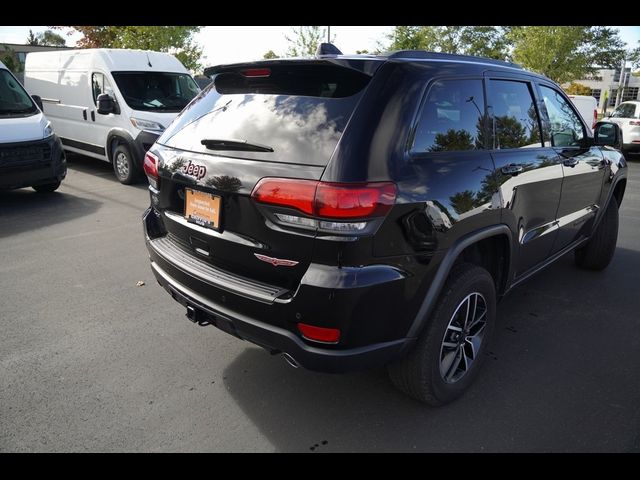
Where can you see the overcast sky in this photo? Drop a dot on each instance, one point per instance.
(229, 44)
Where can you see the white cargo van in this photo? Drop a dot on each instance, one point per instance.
(30, 153)
(110, 104)
(588, 108)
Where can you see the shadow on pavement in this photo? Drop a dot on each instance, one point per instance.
(557, 378)
(25, 209)
(94, 166)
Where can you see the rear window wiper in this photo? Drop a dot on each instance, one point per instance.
(239, 145)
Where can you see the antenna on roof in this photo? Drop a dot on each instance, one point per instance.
(148, 61)
(327, 49)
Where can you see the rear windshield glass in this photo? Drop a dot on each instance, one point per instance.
(300, 112)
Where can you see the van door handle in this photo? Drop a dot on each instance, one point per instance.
(93, 115)
(84, 114)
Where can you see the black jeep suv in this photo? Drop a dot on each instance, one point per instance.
(353, 212)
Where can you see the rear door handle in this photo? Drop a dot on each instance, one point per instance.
(512, 169)
(570, 162)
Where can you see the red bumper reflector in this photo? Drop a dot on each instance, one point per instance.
(319, 334)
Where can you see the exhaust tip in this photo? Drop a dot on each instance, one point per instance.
(290, 360)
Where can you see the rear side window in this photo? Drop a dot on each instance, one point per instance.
(565, 128)
(626, 110)
(515, 118)
(299, 111)
(452, 117)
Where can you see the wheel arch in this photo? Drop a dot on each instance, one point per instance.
(482, 248)
(119, 136)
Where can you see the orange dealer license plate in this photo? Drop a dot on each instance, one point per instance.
(202, 208)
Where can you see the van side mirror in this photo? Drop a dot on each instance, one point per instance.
(38, 100)
(106, 104)
(607, 133)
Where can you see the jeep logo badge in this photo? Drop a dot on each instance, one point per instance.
(197, 171)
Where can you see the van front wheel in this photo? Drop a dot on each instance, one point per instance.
(124, 166)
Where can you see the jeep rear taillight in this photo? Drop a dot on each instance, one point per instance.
(339, 207)
(150, 167)
(635, 123)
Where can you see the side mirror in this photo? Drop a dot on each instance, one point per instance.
(106, 104)
(38, 100)
(607, 133)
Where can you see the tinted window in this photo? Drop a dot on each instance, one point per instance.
(301, 120)
(515, 119)
(156, 91)
(565, 128)
(451, 117)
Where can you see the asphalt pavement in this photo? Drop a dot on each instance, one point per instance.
(89, 361)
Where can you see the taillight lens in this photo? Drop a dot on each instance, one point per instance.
(634, 122)
(257, 72)
(319, 334)
(150, 167)
(335, 200)
(332, 204)
(286, 192)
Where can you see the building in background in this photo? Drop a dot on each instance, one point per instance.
(609, 80)
(13, 55)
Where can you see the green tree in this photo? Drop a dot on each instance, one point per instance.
(577, 89)
(462, 202)
(634, 56)
(566, 53)
(32, 38)
(305, 41)
(48, 38)
(483, 41)
(8, 57)
(269, 55)
(177, 40)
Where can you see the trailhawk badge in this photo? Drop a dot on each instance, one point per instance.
(276, 262)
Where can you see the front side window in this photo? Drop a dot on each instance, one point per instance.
(14, 100)
(156, 91)
(565, 127)
(100, 84)
(515, 118)
(452, 117)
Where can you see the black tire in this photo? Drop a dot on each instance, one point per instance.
(47, 187)
(599, 250)
(124, 166)
(419, 373)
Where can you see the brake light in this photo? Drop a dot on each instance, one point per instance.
(286, 192)
(319, 334)
(150, 167)
(634, 122)
(327, 200)
(256, 72)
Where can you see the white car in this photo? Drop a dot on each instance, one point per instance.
(627, 116)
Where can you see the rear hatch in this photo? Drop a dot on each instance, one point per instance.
(263, 119)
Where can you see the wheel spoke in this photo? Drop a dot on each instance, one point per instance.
(450, 344)
(454, 365)
(478, 322)
(474, 342)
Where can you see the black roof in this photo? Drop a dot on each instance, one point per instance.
(426, 55)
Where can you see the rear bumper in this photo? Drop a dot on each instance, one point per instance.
(277, 339)
(51, 169)
(270, 324)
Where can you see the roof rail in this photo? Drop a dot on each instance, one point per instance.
(426, 55)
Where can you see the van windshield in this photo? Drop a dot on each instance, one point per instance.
(14, 100)
(156, 91)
